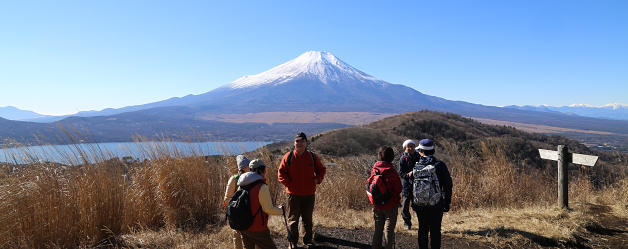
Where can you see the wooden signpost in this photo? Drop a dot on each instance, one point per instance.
(563, 157)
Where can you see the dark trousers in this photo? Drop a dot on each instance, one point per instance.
(260, 239)
(385, 222)
(300, 206)
(430, 219)
(406, 202)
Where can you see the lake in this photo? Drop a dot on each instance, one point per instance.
(74, 154)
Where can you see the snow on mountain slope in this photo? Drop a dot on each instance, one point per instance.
(615, 111)
(323, 66)
(613, 106)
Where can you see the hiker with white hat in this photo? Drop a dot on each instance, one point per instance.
(406, 164)
(232, 185)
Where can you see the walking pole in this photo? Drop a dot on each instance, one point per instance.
(287, 229)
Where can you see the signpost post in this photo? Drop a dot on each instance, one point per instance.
(563, 157)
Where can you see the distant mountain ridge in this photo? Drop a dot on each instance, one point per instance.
(610, 111)
(314, 83)
(14, 113)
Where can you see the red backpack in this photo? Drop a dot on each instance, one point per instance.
(377, 188)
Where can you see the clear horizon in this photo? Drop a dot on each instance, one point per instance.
(67, 56)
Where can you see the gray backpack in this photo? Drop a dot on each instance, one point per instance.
(425, 188)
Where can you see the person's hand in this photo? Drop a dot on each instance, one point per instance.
(410, 174)
(282, 206)
(317, 181)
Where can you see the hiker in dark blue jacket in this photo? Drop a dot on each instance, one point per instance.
(406, 164)
(430, 217)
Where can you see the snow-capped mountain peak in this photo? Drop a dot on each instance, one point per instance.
(616, 111)
(613, 106)
(616, 106)
(320, 65)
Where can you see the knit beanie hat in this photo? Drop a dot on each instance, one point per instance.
(257, 163)
(243, 162)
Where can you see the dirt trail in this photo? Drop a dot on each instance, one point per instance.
(331, 237)
(605, 230)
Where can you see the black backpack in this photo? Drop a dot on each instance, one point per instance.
(377, 188)
(239, 208)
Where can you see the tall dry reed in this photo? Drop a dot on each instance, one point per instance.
(344, 185)
(50, 205)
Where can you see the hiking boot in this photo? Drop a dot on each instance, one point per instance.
(307, 239)
(407, 226)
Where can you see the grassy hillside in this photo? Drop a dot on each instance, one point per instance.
(171, 199)
(461, 140)
(438, 126)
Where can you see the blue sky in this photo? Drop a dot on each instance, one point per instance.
(60, 57)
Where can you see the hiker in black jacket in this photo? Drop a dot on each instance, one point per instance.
(430, 217)
(406, 164)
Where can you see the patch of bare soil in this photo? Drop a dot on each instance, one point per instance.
(333, 237)
(606, 229)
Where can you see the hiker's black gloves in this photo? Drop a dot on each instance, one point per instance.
(446, 208)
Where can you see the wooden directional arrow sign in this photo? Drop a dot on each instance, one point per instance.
(563, 157)
(585, 160)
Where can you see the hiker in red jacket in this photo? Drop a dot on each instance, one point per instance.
(300, 171)
(385, 214)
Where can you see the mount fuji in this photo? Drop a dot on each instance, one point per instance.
(314, 92)
(313, 82)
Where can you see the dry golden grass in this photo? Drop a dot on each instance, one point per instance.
(173, 201)
(44, 205)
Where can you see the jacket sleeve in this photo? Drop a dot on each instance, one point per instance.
(395, 183)
(266, 202)
(444, 178)
(229, 191)
(403, 168)
(282, 174)
(319, 169)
